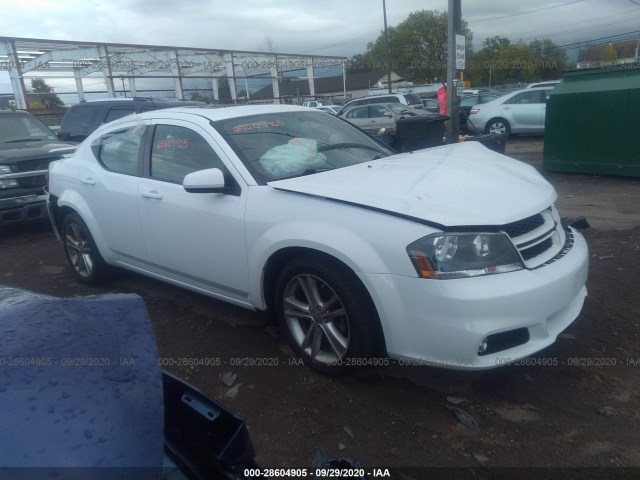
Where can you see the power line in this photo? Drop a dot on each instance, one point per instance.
(527, 12)
(622, 36)
(591, 27)
(583, 21)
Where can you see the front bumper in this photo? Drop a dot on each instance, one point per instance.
(50, 212)
(443, 322)
(21, 209)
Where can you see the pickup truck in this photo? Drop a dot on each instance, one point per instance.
(27, 146)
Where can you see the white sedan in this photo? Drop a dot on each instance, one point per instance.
(522, 111)
(453, 256)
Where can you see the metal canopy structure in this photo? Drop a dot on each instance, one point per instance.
(26, 58)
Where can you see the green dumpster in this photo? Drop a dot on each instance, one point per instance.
(593, 123)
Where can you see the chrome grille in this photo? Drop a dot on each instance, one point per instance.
(517, 229)
(31, 165)
(538, 238)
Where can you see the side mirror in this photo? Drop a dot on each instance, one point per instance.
(63, 136)
(210, 180)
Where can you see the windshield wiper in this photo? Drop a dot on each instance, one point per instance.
(308, 171)
(23, 140)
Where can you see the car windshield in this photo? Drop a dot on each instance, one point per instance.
(291, 144)
(23, 128)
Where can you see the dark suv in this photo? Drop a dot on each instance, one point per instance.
(83, 118)
(27, 146)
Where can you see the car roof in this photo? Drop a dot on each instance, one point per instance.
(136, 100)
(15, 112)
(543, 83)
(224, 112)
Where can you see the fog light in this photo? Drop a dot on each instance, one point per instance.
(483, 347)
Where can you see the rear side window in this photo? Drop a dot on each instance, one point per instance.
(118, 151)
(178, 151)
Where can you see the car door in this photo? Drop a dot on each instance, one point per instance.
(359, 116)
(110, 190)
(380, 117)
(525, 111)
(197, 239)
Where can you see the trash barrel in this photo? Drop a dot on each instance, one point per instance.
(420, 131)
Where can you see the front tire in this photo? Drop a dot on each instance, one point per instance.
(83, 256)
(326, 314)
(498, 126)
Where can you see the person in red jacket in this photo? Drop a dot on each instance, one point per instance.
(442, 98)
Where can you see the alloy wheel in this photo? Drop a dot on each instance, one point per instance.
(316, 318)
(79, 251)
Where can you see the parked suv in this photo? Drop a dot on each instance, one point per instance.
(83, 118)
(410, 99)
(27, 146)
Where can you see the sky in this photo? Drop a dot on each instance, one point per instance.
(318, 27)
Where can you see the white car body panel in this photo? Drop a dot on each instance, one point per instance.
(441, 185)
(522, 118)
(364, 215)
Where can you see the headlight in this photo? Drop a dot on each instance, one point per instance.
(11, 183)
(5, 169)
(461, 255)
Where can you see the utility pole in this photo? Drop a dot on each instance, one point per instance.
(453, 104)
(388, 45)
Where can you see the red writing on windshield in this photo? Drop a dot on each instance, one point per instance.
(173, 142)
(255, 126)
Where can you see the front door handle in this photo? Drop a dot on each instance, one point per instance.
(88, 181)
(151, 194)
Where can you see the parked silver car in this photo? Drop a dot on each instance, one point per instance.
(521, 111)
(373, 118)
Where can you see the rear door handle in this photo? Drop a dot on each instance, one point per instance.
(151, 194)
(88, 181)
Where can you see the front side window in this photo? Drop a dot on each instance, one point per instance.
(525, 98)
(289, 144)
(360, 112)
(378, 112)
(178, 151)
(118, 151)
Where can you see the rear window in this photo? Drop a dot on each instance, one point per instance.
(118, 112)
(81, 121)
(413, 99)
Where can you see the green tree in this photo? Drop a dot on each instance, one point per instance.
(43, 96)
(418, 47)
(502, 61)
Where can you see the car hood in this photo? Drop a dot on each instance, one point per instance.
(14, 152)
(464, 184)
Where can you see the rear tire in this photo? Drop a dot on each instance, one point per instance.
(83, 256)
(326, 314)
(498, 126)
